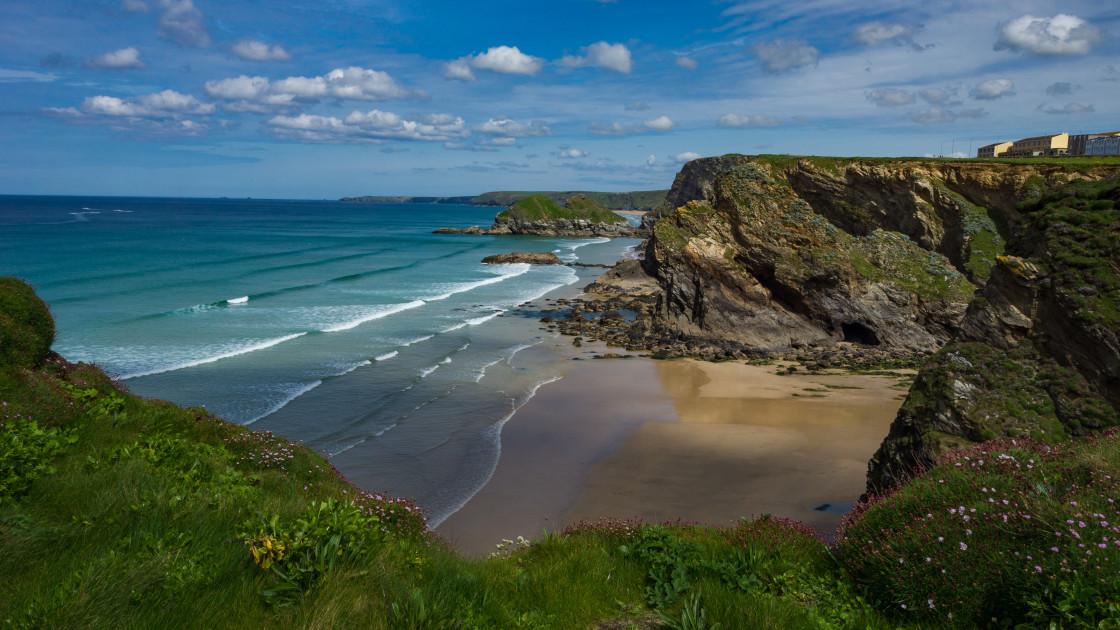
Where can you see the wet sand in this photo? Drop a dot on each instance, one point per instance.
(662, 440)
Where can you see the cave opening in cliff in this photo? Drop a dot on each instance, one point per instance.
(856, 332)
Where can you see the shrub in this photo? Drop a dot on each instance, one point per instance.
(26, 451)
(26, 325)
(1006, 530)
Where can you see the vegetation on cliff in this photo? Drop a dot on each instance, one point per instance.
(541, 208)
(638, 200)
(119, 511)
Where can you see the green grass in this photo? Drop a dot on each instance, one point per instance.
(137, 513)
(541, 208)
(637, 200)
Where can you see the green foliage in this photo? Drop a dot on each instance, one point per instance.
(1006, 530)
(27, 452)
(329, 533)
(670, 562)
(26, 325)
(693, 616)
(96, 404)
(1078, 227)
(638, 200)
(541, 208)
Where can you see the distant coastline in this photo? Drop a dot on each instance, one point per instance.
(641, 200)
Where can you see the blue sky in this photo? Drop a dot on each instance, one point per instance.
(347, 97)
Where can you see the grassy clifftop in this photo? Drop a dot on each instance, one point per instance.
(540, 208)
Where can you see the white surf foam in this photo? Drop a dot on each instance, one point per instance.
(241, 300)
(495, 434)
(217, 357)
(476, 321)
(424, 372)
(386, 356)
(482, 370)
(514, 270)
(289, 398)
(382, 311)
(417, 340)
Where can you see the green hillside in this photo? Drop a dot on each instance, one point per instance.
(639, 200)
(116, 511)
(540, 208)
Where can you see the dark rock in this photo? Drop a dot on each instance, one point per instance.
(533, 258)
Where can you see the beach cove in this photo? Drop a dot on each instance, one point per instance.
(679, 439)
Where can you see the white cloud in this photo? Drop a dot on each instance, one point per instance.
(937, 96)
(687, 156)
(253, 50)
(458, 70)
(134, 6)
(993, 89)
(1048, 36)
(876, 33)
(688, 63)
(598, 128)
(165, 104)
(260, 94)
(780, 55)
(125, 58)
(566, 153)
(372, 127)
(636, 107)
(181, 22)
(1059, 88)
(661, 123)
(651, 160)
(614, 57)
(501, 59)
(25, 76)
(889, 97)
(757, 120)
(932, 116)
(1069, 108)
(510, 128)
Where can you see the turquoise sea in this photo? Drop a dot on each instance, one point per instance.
(348, 326)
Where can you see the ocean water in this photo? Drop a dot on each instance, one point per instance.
(347, 326)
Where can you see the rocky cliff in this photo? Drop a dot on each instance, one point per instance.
(1037, 353)
(540, 216)
(1005, 277)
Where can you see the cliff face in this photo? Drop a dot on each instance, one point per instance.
(1037, 353)
(1014, 266)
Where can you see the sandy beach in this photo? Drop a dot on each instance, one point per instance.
(662, 440)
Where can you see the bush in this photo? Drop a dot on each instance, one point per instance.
(1005, 531)
(26, 451)
(26, 325)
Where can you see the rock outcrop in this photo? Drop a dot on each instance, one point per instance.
(1038, 352)
(532, 258)
(540, 216)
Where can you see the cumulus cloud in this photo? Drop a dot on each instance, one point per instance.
(1048, 36)
(636, 107)
(781, 55)
(1059, 88)
(372, 127)
(567, 153)
(757, 120)
(162, 112)
(181, 22)
(253, 50)
(123, 59)
(688, 63)
(993, 89)
(1069, 108)
(614, 57)
(507, 127)
(938, 96)
(877, 33)
(687, 156)
(599, 128)
(501, 59)
(651, 160)
(246, 93)
(661, 123)
(889, 97)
